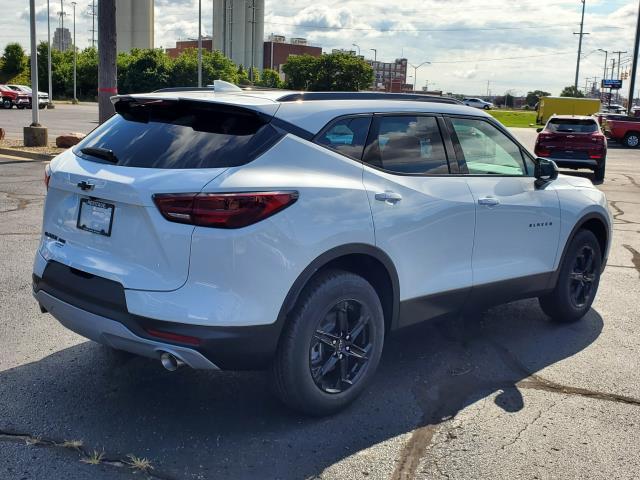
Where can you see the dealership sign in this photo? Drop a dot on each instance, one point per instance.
(613, 84)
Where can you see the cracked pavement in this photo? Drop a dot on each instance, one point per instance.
(504, 394)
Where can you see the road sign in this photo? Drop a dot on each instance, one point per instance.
(613, 84)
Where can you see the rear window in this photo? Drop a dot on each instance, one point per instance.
(572, 125)
(180, 135)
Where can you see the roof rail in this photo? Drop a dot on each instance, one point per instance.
(411, 97)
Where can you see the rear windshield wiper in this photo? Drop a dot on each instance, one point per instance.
(103, 153)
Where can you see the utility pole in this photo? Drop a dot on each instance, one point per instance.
(107, 69)
(35, 135)
(618, 74)
(253, 40)
(200, 43)
(93, 13)
(62, 25)
(634, 65)
(580, 44)
(75, 55)
(50, 103)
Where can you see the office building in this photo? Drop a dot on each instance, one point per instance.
(277, 51)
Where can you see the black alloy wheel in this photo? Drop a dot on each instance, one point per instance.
(340, 347)
(578, 280)
(582, 277)
(331, 344)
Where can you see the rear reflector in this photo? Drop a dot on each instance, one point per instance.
(222, 210)
(47, 176)
(174, 337)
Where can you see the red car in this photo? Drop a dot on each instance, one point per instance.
(573, 142)
(625, 130)
(10, 97)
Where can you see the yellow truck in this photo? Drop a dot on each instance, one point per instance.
(548, 106)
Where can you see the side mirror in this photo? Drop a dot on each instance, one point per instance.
(539, 129)
(545, 171)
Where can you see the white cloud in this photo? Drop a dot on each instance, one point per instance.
(521, 45)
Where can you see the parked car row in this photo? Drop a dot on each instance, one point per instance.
(20, 96)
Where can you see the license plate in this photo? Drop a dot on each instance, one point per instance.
(95, 216)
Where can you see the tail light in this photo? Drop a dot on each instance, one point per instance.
(222, 210)
(598, 138)
(47, 176)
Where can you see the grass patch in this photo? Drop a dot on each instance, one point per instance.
(140, 464)
(515, 118)
(94, 458)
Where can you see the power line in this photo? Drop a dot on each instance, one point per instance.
(384, 30)
(520, 57)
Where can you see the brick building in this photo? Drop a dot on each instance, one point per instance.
(182, 45)
(390, 76)
(277, 51)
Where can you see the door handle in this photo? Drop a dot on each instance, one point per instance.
(388, 196)
(489, 201)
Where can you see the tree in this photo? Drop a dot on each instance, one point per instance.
(270, 78)
(331, 72)
(300, 71)
(534, 97)
(14, 60)
(571, 91)
(145, 70)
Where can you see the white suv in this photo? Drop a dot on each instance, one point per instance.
(477, 103)
(294, 231)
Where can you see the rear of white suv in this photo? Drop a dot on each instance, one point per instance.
(244, 231)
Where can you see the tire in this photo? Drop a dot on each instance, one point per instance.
(578, 280)
(487, 107)
(42, 106)
(598, 173)
(19, 107)
(631, 140)
(307, 371)
(7, 103)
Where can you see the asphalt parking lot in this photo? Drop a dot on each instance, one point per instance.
(505, 394)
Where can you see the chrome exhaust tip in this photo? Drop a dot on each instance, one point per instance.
(170, 362)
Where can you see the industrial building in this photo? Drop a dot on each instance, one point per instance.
(134, 24)
(238, 31)
(277, 51)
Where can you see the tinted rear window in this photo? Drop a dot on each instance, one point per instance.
(181, 134)
(572, 125)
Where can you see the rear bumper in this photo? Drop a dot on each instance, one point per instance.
(576, 163)
(116, 335)
(96, 308)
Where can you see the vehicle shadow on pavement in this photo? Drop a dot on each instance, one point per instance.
(227, 425)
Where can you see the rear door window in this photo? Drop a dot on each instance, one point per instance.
(347, 136)
(180, 135)
(407, 144)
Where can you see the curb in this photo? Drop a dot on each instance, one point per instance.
(40, 157)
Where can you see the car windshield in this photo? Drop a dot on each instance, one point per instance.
(573, 125)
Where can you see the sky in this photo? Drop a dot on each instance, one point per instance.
(474, 46)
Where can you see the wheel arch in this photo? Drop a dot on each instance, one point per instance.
(365, 260)
(597, 224)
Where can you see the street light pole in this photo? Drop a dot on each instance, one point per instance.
(199, 43)
(35, 135)
(357, 46)
(634, 64)
(375, 54)
(415, 72)
(75, 56)
(50, 102)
